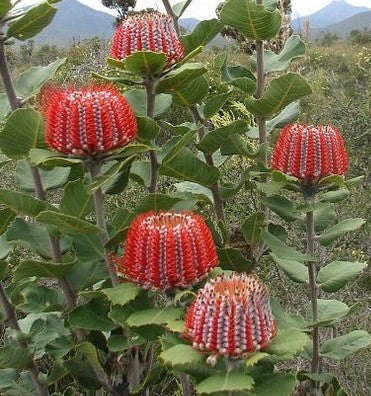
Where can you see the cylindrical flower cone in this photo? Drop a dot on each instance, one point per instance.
(231, 316)
(87, 122)
(167, 250)
(310, 153)
(152, 31)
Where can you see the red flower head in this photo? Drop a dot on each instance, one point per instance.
(151, 31)
(168, 250)
(310, 153)
(89, 121)
(231, 316)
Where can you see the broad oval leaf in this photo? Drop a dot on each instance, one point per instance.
(329, 312)
(288, 342)
(252, 227)
(275, 384)
(280, 92)
(202, 34)
(181, 355)
(295, 270)
(214, 104)
(337, 274)
(12, 357)
(252, 20)
(233, 381)
(179, 78)
(145, 63)
(333, 233)
(192, 94)
(32, 22)
(341, 347)
(233, 259)
(23, 131)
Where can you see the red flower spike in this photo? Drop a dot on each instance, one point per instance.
(310, 152)
(167, 250)
(151, 31)
(87, 122)
(231, 316)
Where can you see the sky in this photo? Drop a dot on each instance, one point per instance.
(205, 9)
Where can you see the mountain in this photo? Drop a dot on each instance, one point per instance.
(189, 23)
(335, 12)
(343, 28)
(75, 20)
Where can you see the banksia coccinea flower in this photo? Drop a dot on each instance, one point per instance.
(310, 152)
(231, 316)
(87, 122)
(167, 250)
(152, 31)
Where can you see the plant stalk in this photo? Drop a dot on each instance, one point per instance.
(218, 202)
(95, 170)
(11, 315)
(15, 104)
(312, 270)
(151, 96)
(262, 126)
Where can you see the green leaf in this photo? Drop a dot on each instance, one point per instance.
(186, 166)
(255, 358)
(41, 269)
(281, 250)
(250, 19)
(340, 348)
(294, 48)
(141, 172)
(200, 192)
(6, 217)
(181, 355)
(334, 196)
(174, 146)
(5, 6)
(288, 115)
(23, 130)
(23, 203)
(286, 320)
(66, 224)
(192, 93)
(48, 158)
(295, 270)
(329, 312)
(51, 179)
(145, 63)
(5, 247)
(32, 80)
(89, 352)
(225, 382)
(337, 274)
(324, 216)
(8, 376)
(122, 293)
(76, 200)
(338, 230)
(252, 227)
(168, 316)
(4, 270)
(216, 138)
(155, 202)
(33, 236)
(284, 207)
(239, 145)
(202, 34)
(231, 73)
(213, 105)
(288, 342)
(11, 357)
(37, 299)
(232, 259)
(83, 373)
(119, 343)
(280, 92)
(338, 180)
(147, 129)
(92, 316)
(275, 384)
(32, 22)
(137, 99)
(179, 78)
(87, 273)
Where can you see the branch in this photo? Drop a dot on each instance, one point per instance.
(218, 202)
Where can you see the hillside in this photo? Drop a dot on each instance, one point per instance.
(342, 29)
(75, 20)
(335, 12)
